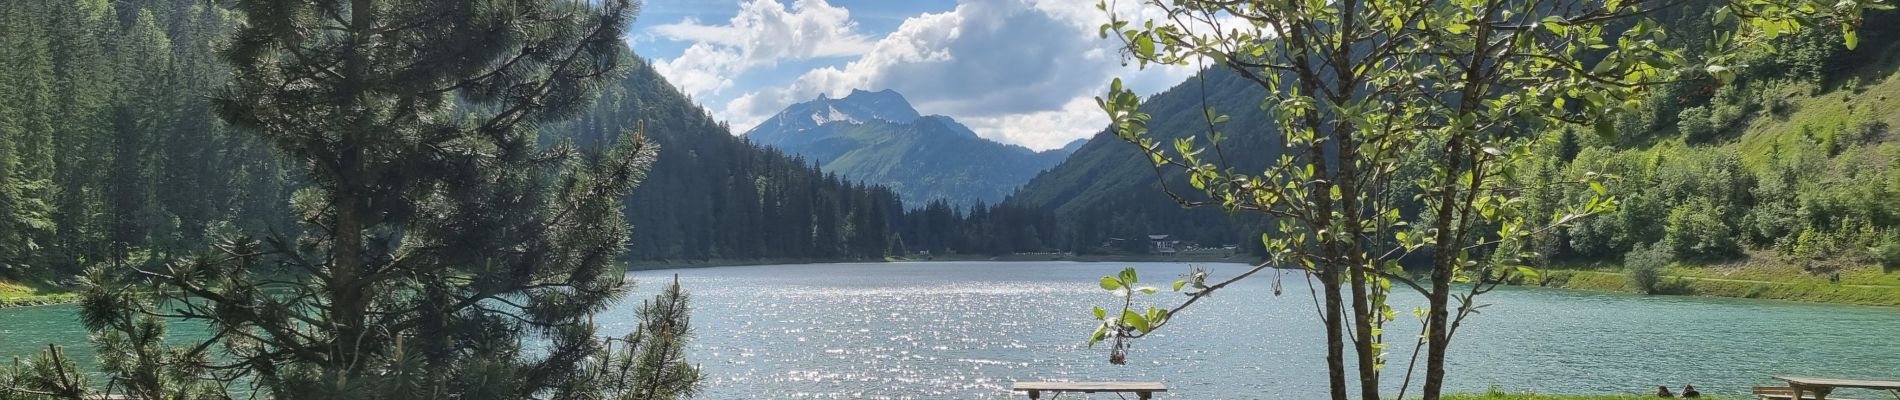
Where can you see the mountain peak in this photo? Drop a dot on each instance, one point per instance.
(876, 137)
(857, 107)
(884, 104)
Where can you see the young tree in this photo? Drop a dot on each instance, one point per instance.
(446, 251)
(1357, 86)
(652, 360)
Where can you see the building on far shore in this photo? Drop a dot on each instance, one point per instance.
(1161, 244)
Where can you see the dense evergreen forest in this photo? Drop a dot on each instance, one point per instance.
(109, 149)
(111, 153)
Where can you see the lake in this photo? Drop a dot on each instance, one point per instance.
(969, 329)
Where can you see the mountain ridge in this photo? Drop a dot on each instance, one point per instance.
(879, 138)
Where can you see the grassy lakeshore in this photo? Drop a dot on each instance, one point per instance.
(1755, 277)
(15, 294)
(1533, 396)
(1184, 257)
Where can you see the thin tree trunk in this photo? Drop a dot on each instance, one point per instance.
(1353, 222)
(1459, 156)
(347, 303)
(1335, 334)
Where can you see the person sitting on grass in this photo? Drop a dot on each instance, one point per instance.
(1688, 392)
(1663, 391)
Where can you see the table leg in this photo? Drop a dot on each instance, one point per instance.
(1791, 386)
(1035, 394)
(1821, 393)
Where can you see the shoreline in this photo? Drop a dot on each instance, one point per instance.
(34, 293)
(39, 300)
(1697, 286)
(647, 265)
(1803, 291)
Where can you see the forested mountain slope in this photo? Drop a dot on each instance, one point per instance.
(1792, 164)
(110, 155)
(878, 138)
(1108, 189)
(712, 195)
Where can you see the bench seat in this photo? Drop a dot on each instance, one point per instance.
(1143, 390)
(1782, 393)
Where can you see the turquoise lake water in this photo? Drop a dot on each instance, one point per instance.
(969, 329)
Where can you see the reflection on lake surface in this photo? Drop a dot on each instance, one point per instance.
(969, 329)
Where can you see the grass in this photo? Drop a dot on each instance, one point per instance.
(1760, 276)
(1877, 92)
(1534, 396)
(15, 294)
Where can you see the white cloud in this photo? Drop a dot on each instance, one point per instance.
(1042, 130)
(1016, 71)
(763, 33)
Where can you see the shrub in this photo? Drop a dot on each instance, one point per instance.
(1780, 106)
(1815, 244)
(1696, 230)
(1887, 254)
(1770, 222)
(1694, 124)
(1866, 130)
(1645, 267)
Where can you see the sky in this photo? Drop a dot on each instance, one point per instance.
(1022, 72)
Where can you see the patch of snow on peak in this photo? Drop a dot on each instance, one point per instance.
(831, 114)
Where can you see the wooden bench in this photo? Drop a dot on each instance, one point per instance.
(1780, 393)
(1822, 387)
(1144, 390)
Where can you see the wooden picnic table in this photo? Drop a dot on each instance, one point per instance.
(1144, 390)
(1821, 387)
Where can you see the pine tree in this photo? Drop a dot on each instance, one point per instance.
(447, 250)
(653, 358)
(84, 90)
(138, 118)
(26, 156)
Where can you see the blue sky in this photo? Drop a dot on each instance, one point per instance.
(1016, 71)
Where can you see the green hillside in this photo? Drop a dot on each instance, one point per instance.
(1786, 171)
(1785, 175)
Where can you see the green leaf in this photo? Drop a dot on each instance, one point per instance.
(1130, 318)
(1605, 128)
(1145, 46)
(1110, 283)
(1457, 28)
(1128, 276)
(1556, 25)
(1178, 285)
(1529, 273)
